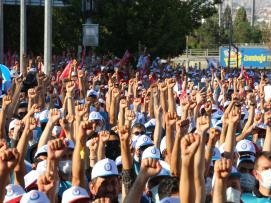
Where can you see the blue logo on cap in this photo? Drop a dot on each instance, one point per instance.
(107, 167)
(153, 151)
(9, 191)
(76, 191)
(34, 195)
(145, 139)
(244, 146)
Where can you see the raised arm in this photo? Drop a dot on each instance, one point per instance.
(203, 124)
(267, 140)
(149, 167)
(171, 102)
(7, 100)
(54, 116)
(8, 160)
(222, 170)
(189, 145)
(78, 159)
(170, 119)
(175, 162)
(20, 170)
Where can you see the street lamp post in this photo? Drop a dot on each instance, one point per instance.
(47, 35)
(1, 32)
(22, 35)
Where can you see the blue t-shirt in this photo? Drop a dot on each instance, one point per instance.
(63, 185)
(251, 198)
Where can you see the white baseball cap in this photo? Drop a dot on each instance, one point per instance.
(142, 141)
(118, 161)
(42, 150)
(151, 152)
(221, 148)
(104, 167)
(170, 200)
(56, 130)
(245, 146)
(14, 74)
(41, 167)
(14, 193)
(94, 115)
(74, 193)
(216, 154)
(163, 145)
(12, 124)
(92, 93)
(69, 143)
(43, 116)
(35, 196)
(30, 178)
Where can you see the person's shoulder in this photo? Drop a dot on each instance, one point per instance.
(251, 198)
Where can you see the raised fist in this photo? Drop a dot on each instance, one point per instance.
(222, 168)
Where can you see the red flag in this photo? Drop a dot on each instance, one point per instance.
(66, 71)
(125, 59)
(83, 57)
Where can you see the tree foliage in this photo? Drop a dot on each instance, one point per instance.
(161, 25)
(237, 30)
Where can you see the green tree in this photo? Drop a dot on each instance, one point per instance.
(207, 35)
(161, 25)
(241, 27)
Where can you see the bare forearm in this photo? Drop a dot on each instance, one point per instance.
(157, 133)
(171, 103)
(101, 150)
(134, 195)
(169, 140)
(78, 165)
(219, 194)
(70, 104)
(163, 100)
(187, 187)
(175, 161)
(267, 140)
(126, 156)
(230, 141)
(112, 113)
(3, 122)
(45, 136)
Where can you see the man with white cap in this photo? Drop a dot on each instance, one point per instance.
(75, 194)
(104, 180)
(14, 193)
(35, 196)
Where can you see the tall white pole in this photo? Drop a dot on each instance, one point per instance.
(22, 34)
(1, 32)
(252, 12)
(47, 35)
(219, 14)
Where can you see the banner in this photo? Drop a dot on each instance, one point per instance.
(249, 57)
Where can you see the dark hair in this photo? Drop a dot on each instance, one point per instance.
(168, 186)
(265, 154)
(139, 125)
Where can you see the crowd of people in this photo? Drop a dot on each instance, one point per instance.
(142, 132)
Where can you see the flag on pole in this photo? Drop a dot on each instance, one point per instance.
(66, 71)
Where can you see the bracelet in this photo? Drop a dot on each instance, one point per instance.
(92, 157)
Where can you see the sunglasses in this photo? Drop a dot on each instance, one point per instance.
(139, 133)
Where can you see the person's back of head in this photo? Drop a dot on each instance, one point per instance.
(168, 186)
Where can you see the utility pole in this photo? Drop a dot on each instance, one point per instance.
(47, 35)
(252, 12)
(22, 35)
(1, 32)
(219, 14)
